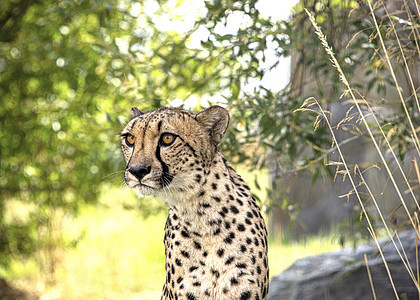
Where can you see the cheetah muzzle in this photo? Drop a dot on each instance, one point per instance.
(215, 237)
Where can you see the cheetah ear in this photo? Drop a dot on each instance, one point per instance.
(215, 120)
(135, 112)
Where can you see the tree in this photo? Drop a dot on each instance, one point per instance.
(69, 73)
(274, 121)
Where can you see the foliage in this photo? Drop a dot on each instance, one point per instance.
(69, 72)
(272, 120)
(268, 118)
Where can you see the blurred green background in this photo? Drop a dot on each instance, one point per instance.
(70, 71)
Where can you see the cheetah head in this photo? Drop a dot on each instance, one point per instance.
(169, 150)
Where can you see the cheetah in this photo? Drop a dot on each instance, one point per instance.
(215, 237)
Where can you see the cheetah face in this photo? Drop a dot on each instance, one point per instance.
(166, 150)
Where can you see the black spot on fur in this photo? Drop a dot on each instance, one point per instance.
(198, 178)
(241, 227)
(217, 199)
(229, 260)
(215, 273)
(220, 252)
(253, 260)
(197, 245)
(193, 268)
(185, 253)
(229, 238)
(245, 295)
(234, 209)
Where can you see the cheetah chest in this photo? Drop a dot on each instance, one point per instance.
(228, 261)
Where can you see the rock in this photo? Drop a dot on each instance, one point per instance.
(343, 274)
(8, 292)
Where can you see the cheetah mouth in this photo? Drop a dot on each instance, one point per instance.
(142, 185)
(145, 190)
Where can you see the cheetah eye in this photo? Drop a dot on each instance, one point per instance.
(167, 139)
(130, 140)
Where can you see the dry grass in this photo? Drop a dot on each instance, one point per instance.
(351, 173)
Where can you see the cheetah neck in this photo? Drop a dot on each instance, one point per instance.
(220, 189)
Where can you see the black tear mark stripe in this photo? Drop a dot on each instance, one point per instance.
(165, 178)
(159, 125)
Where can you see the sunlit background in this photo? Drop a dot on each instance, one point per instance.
(71, 70)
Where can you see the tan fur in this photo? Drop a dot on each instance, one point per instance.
(215, 237)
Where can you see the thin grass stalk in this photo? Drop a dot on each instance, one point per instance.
(417, 7)
(391, 69)
(383, 258)
(408, 262)
(395, 159)
(370, 278)
(404, 59)
(414, 93)
(417, 251)
(404, 261)
(414, 136)
(416, 168)
(343, 79)
(347, 172)
(413, 28)
(417, 148)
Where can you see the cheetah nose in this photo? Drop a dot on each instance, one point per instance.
(139, 171)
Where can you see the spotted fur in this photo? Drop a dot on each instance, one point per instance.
(215, 237)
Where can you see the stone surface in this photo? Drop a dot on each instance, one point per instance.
(343, 274)
(9, 292)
